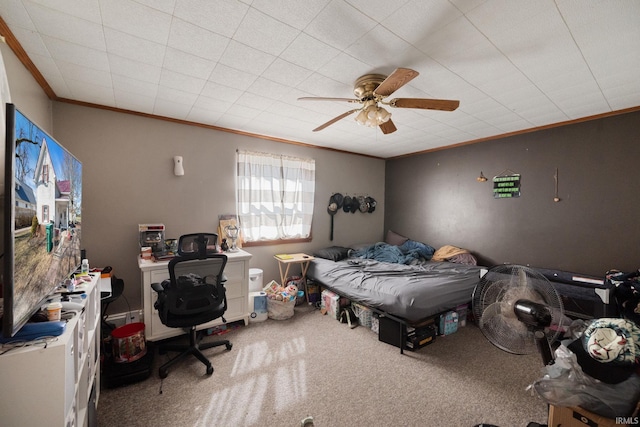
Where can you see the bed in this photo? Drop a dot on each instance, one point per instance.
(403, 280)
(410, 292)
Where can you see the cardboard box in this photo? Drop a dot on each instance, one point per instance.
(421, 337)
(332, 303)
(579, 417)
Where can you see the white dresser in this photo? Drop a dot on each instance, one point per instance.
(237, 285)
(55, 382)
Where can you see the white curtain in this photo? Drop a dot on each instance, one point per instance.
(275, 196)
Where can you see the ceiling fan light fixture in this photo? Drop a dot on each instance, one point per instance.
(372, 116)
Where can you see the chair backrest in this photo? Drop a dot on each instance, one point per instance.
(195, 293)
(201, 244)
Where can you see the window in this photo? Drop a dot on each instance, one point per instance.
(275, 196)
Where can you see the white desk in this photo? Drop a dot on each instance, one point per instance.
(237, 286)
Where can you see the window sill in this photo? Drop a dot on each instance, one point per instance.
(275, 242)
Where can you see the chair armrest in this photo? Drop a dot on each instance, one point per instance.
(157, 287)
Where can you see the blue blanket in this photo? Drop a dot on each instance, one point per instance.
(410, 252)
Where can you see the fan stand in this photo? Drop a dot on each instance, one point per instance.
(543, 346)
(537, 317)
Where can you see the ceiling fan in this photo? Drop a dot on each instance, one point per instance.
(372, 89)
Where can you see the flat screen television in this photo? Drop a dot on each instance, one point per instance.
(41, 223)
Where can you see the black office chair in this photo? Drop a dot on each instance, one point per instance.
(117, 287)
(193, 295)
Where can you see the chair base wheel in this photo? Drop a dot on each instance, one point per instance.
(209, 370)
(163, 373)
(229, 346)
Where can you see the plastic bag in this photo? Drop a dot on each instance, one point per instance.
(565, 384)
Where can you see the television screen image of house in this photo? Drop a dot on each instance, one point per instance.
(48, 205)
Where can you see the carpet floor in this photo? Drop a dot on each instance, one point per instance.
(281, 372)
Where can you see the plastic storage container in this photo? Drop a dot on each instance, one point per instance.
(255, 279)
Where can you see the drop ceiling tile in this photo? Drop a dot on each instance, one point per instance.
(381, 48)
(136, 48)
(220, 92)
(418, 20)
(47, 66)
(255, 102)
(621, 98)
(283, 72)
(15, 15)
(220, 16)
(377, 10)
(261, 94)
(511, 15)
(136, 19)
(66, 27)
(297, 14)
(90, 76)
(31, 42)
(232, 77)
(196, 41)
(264, 33)
(166, 6)
(89, 92)
(340, 25)
(231, 121)
(188, 64)
(205, 116)
(166, 108)
(79, 55)
(169, 94)
(318, 85)
(135, 70)
(242, 111)
(588, 104)
(125, 84)
(345, 69)
(309, 52)
(133, 101)
(212, 104)
(243, 57)
(89, 10)
(189, 84)
(458, 37)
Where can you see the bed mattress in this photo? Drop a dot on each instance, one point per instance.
(411, 292)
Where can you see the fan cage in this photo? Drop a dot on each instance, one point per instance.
(493, 304)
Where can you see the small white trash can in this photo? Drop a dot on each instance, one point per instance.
(255, 279)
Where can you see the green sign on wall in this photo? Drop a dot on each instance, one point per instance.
(506, 186)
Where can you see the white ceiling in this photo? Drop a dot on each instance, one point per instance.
(513, 64)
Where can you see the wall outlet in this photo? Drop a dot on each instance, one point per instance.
(133, 317)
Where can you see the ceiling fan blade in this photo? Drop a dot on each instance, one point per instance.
(426, 104)
(388, 127)
(397, 79)
(335, 119)
(315, 98)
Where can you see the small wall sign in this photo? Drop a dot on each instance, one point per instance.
(506, 186)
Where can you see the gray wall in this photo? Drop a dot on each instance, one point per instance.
(435, 198)
(128, 180)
